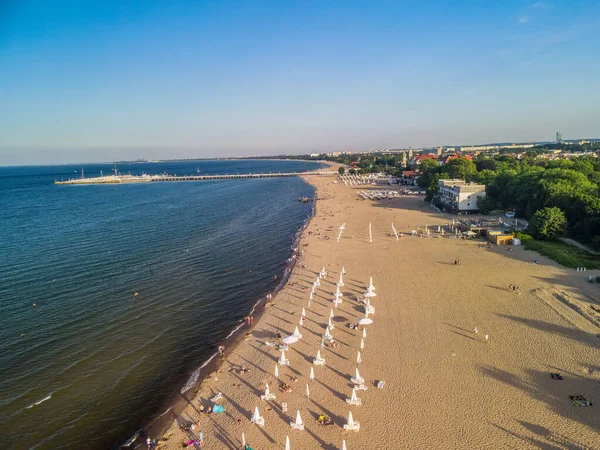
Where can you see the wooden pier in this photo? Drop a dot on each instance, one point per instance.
(121, 179)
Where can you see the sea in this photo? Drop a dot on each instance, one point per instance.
(113, 296)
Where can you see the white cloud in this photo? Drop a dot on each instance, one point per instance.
(539, 5)
(523, 19)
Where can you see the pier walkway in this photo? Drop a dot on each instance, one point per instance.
(119, 179)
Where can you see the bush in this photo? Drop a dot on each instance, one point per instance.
(522, 236)
(342, 170)
(548, 224)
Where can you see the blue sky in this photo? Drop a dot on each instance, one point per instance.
(83, 81)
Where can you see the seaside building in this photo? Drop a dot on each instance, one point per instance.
(460, 196)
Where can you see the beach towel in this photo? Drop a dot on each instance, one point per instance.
(217, 409)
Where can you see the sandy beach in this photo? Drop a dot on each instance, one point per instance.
(445, 387)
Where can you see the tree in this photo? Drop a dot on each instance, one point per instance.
(342, 170)
(461, 168)
(429, 165)
(548, 223)
(486, 204)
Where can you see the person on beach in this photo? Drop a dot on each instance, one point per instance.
(221, 350)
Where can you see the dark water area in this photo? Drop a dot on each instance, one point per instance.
(84, 362)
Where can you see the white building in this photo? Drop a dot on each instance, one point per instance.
(460, 196)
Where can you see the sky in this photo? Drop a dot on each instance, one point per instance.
(110, 80)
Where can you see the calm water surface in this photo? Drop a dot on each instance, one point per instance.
(83, 361)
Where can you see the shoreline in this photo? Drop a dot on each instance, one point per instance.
(176, 403)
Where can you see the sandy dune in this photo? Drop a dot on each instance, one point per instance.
(445, 388)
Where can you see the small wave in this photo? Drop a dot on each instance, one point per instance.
(196, 375)
(48, 397)
(232, 332)
(131, 440)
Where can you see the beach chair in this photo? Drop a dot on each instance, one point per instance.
(354, 400)
(360, 387)
(380, 384)
(319, 361)
(284, 407)
(217, 397)
(283, 361)
(268, 395)
(351, 425)
(359, 380)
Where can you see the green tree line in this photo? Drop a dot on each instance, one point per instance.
(529, 185)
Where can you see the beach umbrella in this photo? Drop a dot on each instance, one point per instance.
(343, 445)
(256, 418)
(365, 321)
(290, 339)
(371, 287)
(287, 443)
(362, 344)
(329, 324)
(243, 440)
(310, 297)
(282, 360)
(369, 294)
(298, 424)
(350, 419)
(307, 392)
(276, 371)
(338, 292)
(328, 334)
(364, 333)
(331, 314)
(301, 321)
(341, 282)
(358, 360)
(297, 333)
(322, 341)
(311, 377)
(303, 312)
(343, 270)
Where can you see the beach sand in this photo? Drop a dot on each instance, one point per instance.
(445, 387)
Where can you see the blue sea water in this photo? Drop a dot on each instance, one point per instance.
(84, 362)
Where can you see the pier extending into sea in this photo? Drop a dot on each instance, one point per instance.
(118, 179)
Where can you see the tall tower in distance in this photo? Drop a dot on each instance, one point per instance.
(558, 136)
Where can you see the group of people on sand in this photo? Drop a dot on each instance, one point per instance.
(284, 387)
(324, 420)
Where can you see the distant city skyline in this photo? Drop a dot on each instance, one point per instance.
(157, 80)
